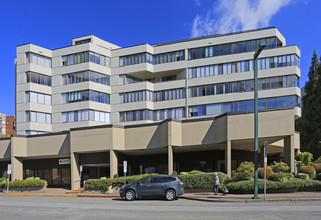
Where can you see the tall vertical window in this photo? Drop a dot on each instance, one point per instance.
(38, 59)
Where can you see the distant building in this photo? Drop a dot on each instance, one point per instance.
(10, 125)
(2, 125)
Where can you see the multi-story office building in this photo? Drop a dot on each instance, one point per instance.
(179, 105)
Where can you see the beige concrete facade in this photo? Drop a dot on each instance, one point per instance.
(169, 137)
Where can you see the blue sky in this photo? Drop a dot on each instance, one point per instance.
(53, 23)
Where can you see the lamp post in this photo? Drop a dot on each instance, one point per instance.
(256, 130)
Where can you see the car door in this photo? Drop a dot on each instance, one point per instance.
(144, 186)
(157, 186)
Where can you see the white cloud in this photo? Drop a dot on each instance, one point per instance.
(197, 2)
(236, 15)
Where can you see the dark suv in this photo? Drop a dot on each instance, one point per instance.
(167, 186)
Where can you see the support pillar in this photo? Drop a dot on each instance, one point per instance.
(75, 172)
(289, 152)
(170, 160)
(113, 163)
(228, 158)
(17, 168)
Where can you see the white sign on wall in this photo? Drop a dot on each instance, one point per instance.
(64, 161)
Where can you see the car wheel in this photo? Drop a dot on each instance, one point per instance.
(170, 195)
(130, 195)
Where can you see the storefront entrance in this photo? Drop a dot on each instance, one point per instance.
(56, 174)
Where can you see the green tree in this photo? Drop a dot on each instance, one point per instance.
(309, 124)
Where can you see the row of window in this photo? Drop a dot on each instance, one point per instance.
(86, 56)
(169, 57)
(243, 66)
(85, 95)
(85, 115)
(39, 117)
(231, 48)
(278, 61)
(146, 95)
(38, 59)
(245, 86)
(156, 115)
(38, 78)
(85, 76)
(246, 105)
(32, 132)
(39, 98)
(136, 59)
(125, 79)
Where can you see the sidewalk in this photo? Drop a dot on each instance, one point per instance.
(202, 196)
(60, 192)
(210, 197)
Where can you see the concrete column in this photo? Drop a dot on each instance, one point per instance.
(170, 160)
(289, 152)
(75, 172)
(228, 158)
(113, 163)
(17, 168)
(140, 169)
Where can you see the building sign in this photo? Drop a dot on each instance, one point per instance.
(64, 161)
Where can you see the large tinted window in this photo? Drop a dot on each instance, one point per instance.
(146, 180)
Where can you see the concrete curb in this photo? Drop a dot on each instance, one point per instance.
(252, 200)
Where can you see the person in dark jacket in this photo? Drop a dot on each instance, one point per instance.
(216, 183)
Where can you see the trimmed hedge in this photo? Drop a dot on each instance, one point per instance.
(308, 170)
(199, 180)
(29, 182)
(269, 172)
(317, 167)
(303, 176)
(103, 184)
(281, 177)
(202, 180)
(295, 185)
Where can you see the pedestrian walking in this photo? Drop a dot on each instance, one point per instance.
(216, 183)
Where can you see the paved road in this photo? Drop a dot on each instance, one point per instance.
(106, 208)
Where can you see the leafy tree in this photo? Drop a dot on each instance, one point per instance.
(309, 124)
(305, 158)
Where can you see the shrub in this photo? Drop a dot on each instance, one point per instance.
(318, 176)
(2, 179)
(103, 184)
(304, 157)
(280, 167)
(195, 172)
(281, 177)
(115, 175)
(308, 170)
(318, 160)
(303, 176)
(29, 182)
(174, 173)
(202, 180)
(245, 171)
(269, 172)
(317, 167)
(271, 186)
(184, 173)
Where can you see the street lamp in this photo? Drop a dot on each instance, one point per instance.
(256, 130)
